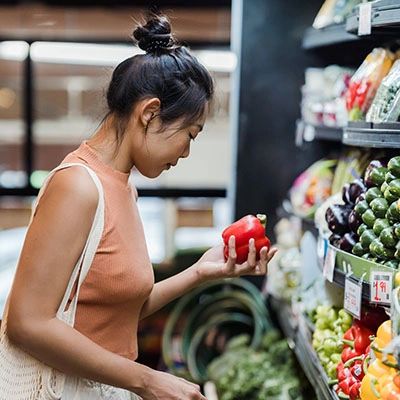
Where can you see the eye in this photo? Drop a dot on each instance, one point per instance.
(191, 137)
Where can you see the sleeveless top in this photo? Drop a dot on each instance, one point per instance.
(121, 276)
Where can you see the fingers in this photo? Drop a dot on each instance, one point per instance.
(256, 264)
(232, 247)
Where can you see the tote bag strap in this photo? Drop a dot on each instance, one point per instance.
(85, 260)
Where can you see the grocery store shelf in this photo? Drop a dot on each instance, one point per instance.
(332, 34)
(298, 332)
(385, 18)
(364, 134)
(306, 132)
(308, 360)
(339, 278)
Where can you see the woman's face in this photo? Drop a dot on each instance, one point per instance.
(158, 150)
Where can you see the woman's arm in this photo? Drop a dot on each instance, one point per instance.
(210, 266)
(53, 244)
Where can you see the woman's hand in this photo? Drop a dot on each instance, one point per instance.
(212, 265)
(164, 386)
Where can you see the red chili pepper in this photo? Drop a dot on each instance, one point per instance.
(246, 228)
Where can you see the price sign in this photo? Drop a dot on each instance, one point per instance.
(395, 312)
(381, 283)
(329, 265)
(352, 297)
(364, 21)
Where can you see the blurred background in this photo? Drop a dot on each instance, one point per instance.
(55, 63)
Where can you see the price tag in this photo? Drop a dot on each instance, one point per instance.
(381, 283)
(329, 264)
(352, 297)
(321, 250)
(364, 19)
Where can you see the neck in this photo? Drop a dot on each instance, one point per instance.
(109, 151)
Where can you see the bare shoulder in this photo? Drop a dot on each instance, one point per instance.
(71, 190)
(74, 182)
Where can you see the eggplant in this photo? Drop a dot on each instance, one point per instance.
(356, 188)
(337, 218)
(354, 221)
(346, 193)
(371, 166)
(361, 197)
(347, 241)
(334, 240)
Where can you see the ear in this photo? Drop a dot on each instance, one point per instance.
(148, 108)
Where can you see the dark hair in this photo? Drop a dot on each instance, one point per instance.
(166, 71)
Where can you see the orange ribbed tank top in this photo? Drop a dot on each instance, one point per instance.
(121, 276)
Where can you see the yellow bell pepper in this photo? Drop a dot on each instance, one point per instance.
(382, 375)
(382, 339)
(369, 388)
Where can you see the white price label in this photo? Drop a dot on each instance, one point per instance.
(381, 283)
(352, 297)
(364, 19)
(329, 264)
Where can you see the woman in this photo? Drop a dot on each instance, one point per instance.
(158, 103)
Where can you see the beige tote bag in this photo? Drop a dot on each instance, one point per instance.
(22, 377)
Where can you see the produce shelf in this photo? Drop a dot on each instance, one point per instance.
(309, 361)
(385, 18)
(339, 278)
(365, 134)
(306, 132)
(332, 34)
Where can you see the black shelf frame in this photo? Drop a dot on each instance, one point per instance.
(385, 18)
(331, 35)
(357, 133)
(373, 135)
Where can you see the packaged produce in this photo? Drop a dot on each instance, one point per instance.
(325, 15)
(323, 96)
(364, 83)
(333, 12)
(312, 187)
(386, 104)
(244, 229)
(343, 9)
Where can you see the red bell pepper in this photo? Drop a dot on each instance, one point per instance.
(358, 338)
(354, 392)
(244, 229)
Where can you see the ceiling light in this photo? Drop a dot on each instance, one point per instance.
(14, 50)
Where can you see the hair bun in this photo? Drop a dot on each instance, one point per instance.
(155, 34)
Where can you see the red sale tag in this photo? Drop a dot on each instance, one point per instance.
(381, 283)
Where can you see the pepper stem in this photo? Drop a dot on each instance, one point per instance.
(263, 219)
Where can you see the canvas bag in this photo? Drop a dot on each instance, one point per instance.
(23, 377)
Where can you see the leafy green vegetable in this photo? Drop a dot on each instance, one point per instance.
(270, 372)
